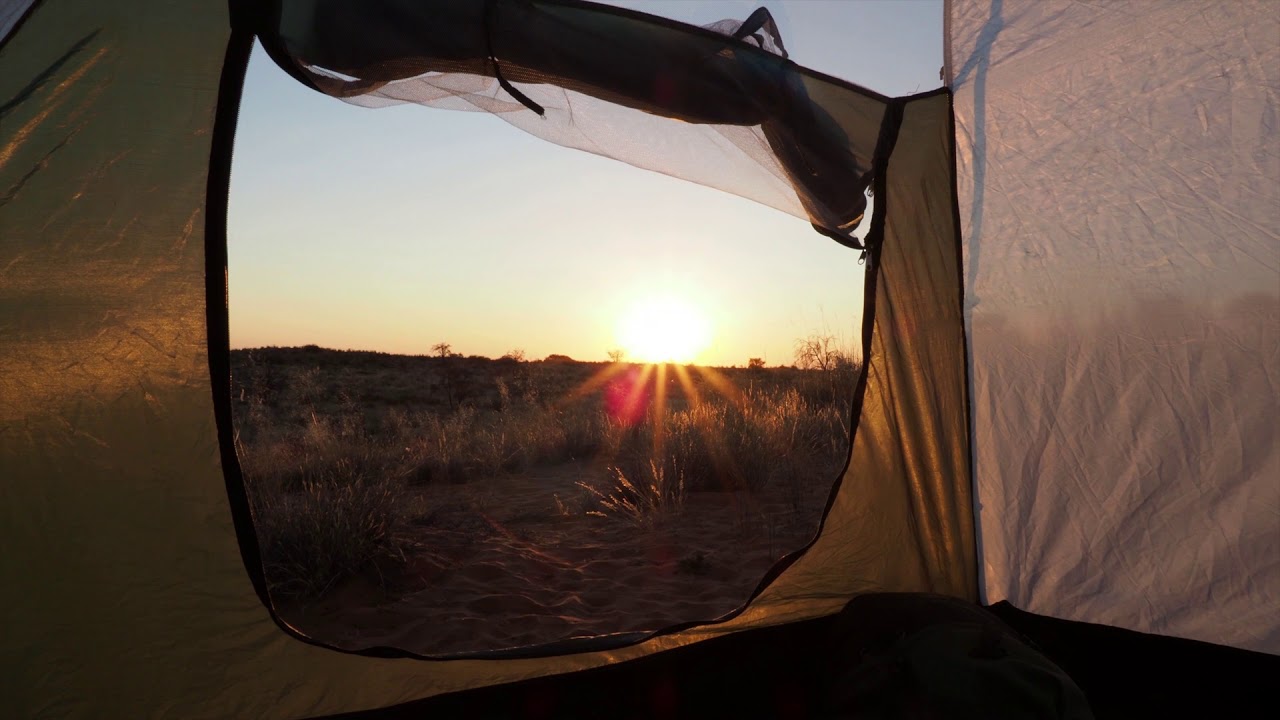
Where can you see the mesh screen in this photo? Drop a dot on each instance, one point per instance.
(713, 108)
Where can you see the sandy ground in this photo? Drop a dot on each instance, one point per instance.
(501, 564)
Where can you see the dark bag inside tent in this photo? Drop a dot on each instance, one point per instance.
(141, 589)
(967, 662)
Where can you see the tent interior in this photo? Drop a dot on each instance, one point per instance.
(1047, 482)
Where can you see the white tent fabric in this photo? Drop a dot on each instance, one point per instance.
(1119, 181)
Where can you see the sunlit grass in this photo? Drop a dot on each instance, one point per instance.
(334, 483)
(658, 493)
(327, 508)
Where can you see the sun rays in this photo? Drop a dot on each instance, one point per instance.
(645, 396)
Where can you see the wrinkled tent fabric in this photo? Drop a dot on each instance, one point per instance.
(129, 596)
(1120, 179)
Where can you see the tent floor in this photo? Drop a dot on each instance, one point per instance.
(794, 671)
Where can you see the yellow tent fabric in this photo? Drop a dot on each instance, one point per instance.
(124, 592)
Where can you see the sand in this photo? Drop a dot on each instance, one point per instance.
(515, 561)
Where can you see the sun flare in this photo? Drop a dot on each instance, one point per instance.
(663, 328)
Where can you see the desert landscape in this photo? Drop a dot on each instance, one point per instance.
(443, 504)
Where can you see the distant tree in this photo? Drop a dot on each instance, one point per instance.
(820, 352)
(834, 369)
(444, 350)
(556, 358)
(516, 355)
(755, 364)
(616, 355)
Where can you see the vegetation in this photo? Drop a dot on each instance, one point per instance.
(327, 506)
(337, 447)
(643, 501)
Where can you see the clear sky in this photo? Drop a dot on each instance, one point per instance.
(397, 228)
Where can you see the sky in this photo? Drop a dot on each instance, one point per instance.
(397, 228)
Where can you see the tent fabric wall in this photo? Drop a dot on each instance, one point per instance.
(124, 593)
(902, 517)
(1120, 194)
(913, 423)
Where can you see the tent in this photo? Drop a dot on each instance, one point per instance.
(1067, 410)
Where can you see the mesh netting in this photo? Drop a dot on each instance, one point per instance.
(720, 106)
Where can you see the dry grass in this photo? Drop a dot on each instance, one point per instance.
(327, 508)
(644, 501)
(333, 444)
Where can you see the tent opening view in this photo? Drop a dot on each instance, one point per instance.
(681, 359)
(490, 393)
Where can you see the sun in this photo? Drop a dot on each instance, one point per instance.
(662, 329)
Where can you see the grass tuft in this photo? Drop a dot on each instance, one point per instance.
(644, 501)
(326, 510)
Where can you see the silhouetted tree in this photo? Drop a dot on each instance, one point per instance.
(817, 352)
(836, 368)
(445, 351)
